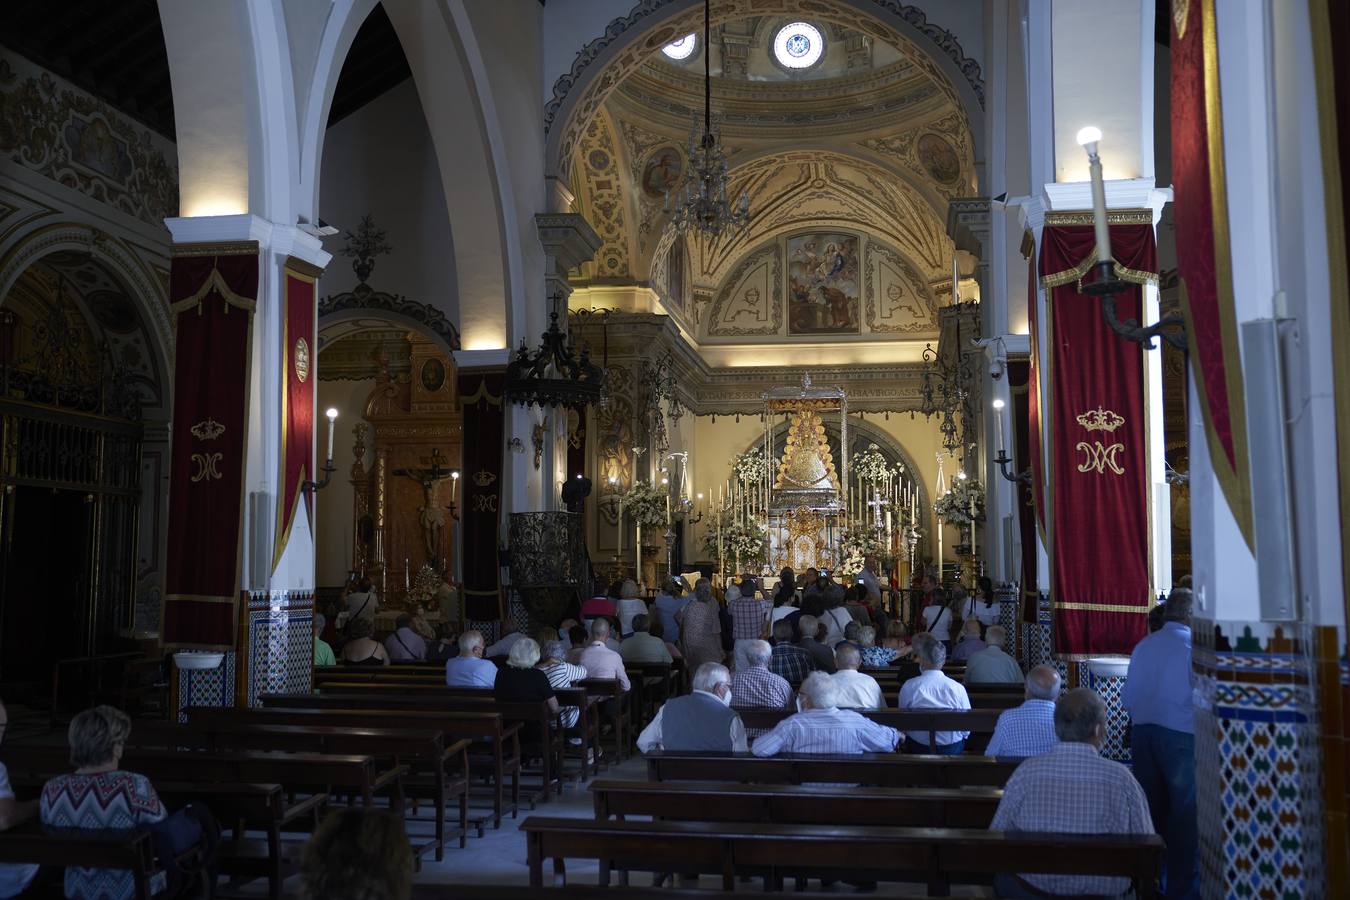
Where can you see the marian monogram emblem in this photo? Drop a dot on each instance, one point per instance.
(301, 359)
(206, 464)
(1097, 456)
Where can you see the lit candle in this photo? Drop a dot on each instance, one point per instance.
(998, 424)
(1089, 137)
(637, 553)
(454, 486)
(939, 531)
(407, 585)
(332, 420)
(972, 525)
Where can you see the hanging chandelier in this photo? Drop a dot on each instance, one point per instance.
(701, 202)
(553, 374)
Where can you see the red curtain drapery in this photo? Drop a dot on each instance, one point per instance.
(484, 438)
(298, 360)
(1098, 493)
(1203, 257)
(212, 299)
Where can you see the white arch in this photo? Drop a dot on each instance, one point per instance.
(451, 80)
(152, 302)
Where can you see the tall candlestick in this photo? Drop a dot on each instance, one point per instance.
(407, 579)
(939, 531)
(972, 526)
(332, 420)
(637, 554)
(1089, 137)
(619, 553)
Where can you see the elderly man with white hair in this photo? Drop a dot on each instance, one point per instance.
(856, 690)
(822, 727)
(1029, 729)
(931, 689)
(992, 665)
(469, 669)
(754, 686)
(702, 720)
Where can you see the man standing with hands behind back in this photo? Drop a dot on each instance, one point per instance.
(1157, 696)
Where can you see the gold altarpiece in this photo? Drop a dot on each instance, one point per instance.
(404, 498)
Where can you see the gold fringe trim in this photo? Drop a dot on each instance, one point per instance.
(214, 282)
(1077, 273)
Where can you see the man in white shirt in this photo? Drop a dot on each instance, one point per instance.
(598, 660)
(503, 647)
(868, 578)
(405, 644)
(822, 727)
(469, 669)
(931, 689)
(856, 690)
(629, 604)
(359, 601)
(702, 721)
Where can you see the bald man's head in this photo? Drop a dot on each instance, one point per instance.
(1043, 683)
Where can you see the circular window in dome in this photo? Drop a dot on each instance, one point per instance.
(683, 48)
(798, 45)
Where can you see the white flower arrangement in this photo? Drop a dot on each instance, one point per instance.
(861, 542)
(750, 467)
(852, 564)
(871, 466)
(422, 595)
(745, 539)
(953, 507)
(645, 504)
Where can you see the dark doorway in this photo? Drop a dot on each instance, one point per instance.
(46, 583)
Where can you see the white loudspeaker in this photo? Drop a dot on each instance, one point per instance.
(258, 566)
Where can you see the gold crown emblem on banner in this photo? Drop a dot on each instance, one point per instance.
(483, 478)
(1101, 420)
(207, 430)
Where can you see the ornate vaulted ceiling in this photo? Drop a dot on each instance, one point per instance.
(849, 167)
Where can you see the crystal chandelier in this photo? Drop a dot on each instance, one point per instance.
(701, 202)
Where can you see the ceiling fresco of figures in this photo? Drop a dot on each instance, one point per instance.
(849, 162)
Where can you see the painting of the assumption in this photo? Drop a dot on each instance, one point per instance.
(823, 284)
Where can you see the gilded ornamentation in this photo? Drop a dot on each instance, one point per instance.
(1099, 457)
(484, 478)
(302, 359)
(82, 143)
(1101, 420)
(207, 430)
(1181, 10)
(749, 302)
(207, 467)
(896, 298)
(603, 201)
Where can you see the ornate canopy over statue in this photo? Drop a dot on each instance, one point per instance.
(805, 476)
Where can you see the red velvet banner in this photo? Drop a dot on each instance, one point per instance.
(484, 443)
(1035, 455)
(212, 300)
(1019, 376)
(1098, 488)
(297, 402)
(1203, 258)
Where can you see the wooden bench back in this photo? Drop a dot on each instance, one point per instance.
(130, 851)
(875, 769)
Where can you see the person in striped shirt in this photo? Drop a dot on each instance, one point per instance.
(822, 727)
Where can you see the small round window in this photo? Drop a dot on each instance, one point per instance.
(681, 49)
(798, 46)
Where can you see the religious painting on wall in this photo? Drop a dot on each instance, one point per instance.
(662, 172)
(823, 283)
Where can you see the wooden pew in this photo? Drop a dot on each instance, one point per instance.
(567, 892)
(423, 749)
(979, 722)
(715, 801)
(939, 856)
(874, 769)
(588, 725)
(115, 850)
(621, 716)
(262, 806)
(489, 729)
(440, 697)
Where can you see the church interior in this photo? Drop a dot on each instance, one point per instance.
(382, 381)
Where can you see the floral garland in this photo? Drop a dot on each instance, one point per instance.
(750, 467)
(871, 466)
(852, 564)
(645, 504)
(953, 507)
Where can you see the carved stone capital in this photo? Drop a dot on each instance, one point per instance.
(568, 239)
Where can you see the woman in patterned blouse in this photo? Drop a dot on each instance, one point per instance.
(100, 796)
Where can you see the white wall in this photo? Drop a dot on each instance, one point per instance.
(379, 160)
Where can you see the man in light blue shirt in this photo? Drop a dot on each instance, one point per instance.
(1029, 729)
(668, 603)
(1157, 696)
(469, 669)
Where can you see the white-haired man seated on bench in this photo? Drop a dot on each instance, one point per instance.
(822, 727)
(1071, 788)
(702, 720)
